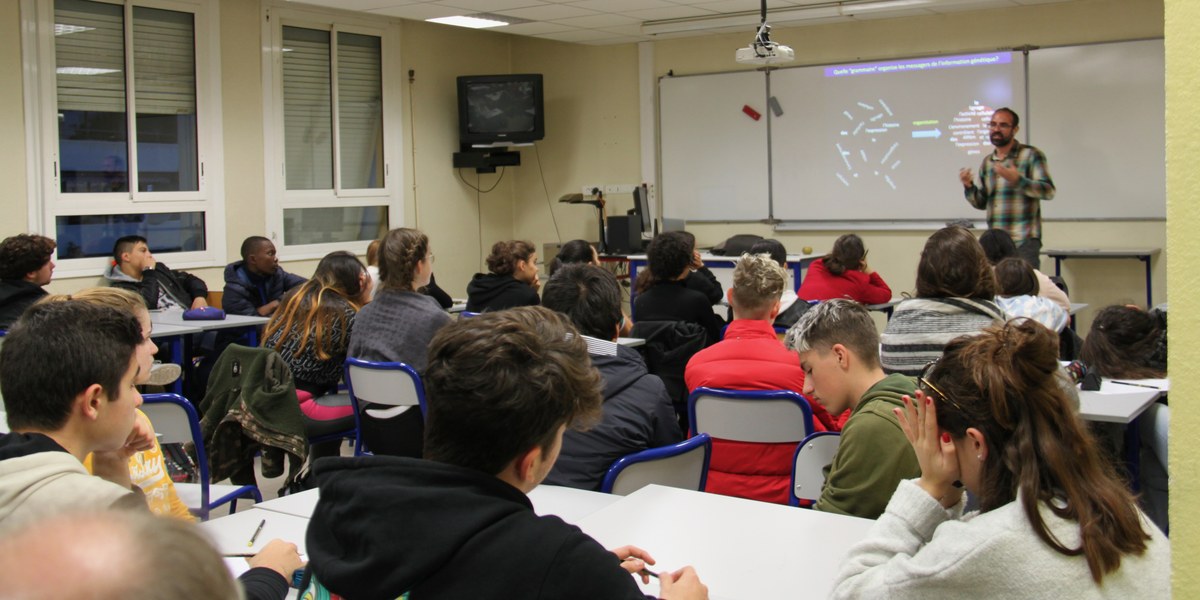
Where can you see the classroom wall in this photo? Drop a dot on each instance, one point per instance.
(1183, 217)
(12, 124)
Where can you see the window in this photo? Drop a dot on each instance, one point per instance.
(330, 88)
(118, 111)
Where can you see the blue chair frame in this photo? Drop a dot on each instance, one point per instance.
(702, 440)
(206, 503)
(750, 396)
(358, 404)
(793, 499)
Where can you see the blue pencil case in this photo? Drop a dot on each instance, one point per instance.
(207, 313)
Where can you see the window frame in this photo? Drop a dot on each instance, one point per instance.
(46, 200)
(278, 198)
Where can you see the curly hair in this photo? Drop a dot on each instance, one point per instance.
(669, 254)
(504, 256)
(953, 265)
(847, 254)
(23, 254)
(1003, 383)
(399, 252)
(1123, 343)
(1014, 277)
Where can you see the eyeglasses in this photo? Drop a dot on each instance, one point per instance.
(929, 387)
(995, 125)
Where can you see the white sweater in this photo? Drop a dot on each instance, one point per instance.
(917, 549)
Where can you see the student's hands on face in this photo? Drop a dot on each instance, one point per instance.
(966, 177)
(268, 309)
(199, 302)
(536, 283)
(634, 560)
(279, 556)
(864, 267)
(682, 584)
(935, 450)
(696, 261)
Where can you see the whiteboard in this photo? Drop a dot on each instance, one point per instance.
(714, 156)
(1098, 112)
(885, 140)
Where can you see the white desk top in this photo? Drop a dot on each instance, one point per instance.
(569, 504)
(1077, 306)
(631, 342)
(164, 330)
(1101, 252)
(740, 548)
(231, 533)
(889, 304)
(175, 317)
(1117, 403)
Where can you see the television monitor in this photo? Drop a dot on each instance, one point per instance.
(500, 109)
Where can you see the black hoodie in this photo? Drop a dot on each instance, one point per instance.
(16, 295)
(388, 525)
(637, 415)
(498, 292)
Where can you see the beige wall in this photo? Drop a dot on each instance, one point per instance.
(1183, 217)
(12, 125)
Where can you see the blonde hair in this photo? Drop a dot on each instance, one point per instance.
(757, 284)
(120, 299)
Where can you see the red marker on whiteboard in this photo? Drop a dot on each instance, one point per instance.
(750, 112)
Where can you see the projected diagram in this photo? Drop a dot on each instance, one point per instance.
(873, 140)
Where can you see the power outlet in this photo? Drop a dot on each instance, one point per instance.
(587, 190)
(620, 189)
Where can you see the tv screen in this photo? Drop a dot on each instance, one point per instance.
(500, 108)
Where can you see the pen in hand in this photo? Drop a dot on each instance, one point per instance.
(256, 532)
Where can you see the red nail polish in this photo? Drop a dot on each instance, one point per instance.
(945, 438)
(928, 401)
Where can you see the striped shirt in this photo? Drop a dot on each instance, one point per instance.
(1014, 207)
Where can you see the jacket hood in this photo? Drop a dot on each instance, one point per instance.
(485, 287)
(888, 392)
(11, 289)
(28, 461)
(114, 273)
(620, 371)
(432, 511)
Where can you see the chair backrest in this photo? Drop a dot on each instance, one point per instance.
(683, 465)
(176, 422)
(386, 383)
(767, 416)
(808, 471)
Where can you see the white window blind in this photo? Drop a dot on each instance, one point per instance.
(307, 109)
(89, 46)
(360, 111)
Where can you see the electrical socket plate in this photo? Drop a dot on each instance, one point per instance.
(587, 189)
(620, 189)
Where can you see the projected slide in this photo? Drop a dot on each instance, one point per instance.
(885, 136)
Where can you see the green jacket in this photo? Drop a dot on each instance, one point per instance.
(873, 455)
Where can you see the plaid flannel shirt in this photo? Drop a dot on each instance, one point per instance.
(1014, 207)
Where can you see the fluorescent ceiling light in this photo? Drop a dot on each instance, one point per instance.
(64, 29)
(853, 9)
(748, 18)
(84, 71)
(472, 22)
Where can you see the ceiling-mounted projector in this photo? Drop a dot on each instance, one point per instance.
(762, 51)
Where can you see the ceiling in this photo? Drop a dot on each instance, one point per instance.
(602, 22)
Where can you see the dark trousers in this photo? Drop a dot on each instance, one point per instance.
(1031, 251)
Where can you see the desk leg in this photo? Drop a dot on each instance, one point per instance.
(1058, 266)
(1149, 291)
(177, 358)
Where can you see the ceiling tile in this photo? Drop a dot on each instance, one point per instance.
(634, 29)
(418, 12)
(478, 6)
(578, 35)
(673, 12)
(533, 28)
(614, 41)
(549, 12)
(729, 6)
(357, 4)
(619, 6)
(599, 21)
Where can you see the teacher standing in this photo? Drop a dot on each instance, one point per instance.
(1013, 181)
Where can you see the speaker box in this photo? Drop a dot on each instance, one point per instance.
(624, 235)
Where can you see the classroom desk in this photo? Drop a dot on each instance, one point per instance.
(796, 262)
(740, 548)
(632, 342)
(1123, 404)
(231, 533)
(886, 307)
(175, 318)
(1142, 254)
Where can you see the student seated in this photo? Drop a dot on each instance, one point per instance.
(789, 309)
(512, 279)
(255, 284)
(502, 388)
(147, 469)
(751, 357)
(637, 411)
(671, 259)
(135, 269)
(699, 277)
(844, 273)
(839, 352)
(1055, 520)
(311, 331)
(1016, 293)
(956, 295)
(396, 327)
(580, 252)
(998, 245)
(125, 554)
(26, 266)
